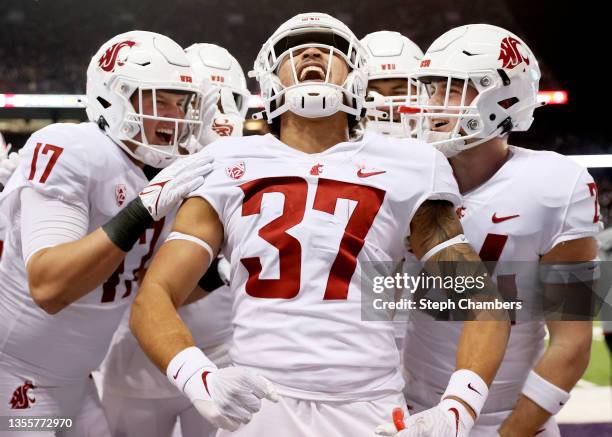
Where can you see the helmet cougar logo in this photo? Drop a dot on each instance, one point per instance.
(20, 399)
(509, 53)
(222, 127)
(108, 60)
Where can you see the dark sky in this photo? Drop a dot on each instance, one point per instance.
(46, 45)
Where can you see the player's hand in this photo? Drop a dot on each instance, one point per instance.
(8, 164)
(224, 269)
(173, 183)
(228, 397)
(450, 418)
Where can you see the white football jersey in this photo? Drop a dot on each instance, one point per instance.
(79, 164)
(2, 231)
(535, 201)
(298, 227)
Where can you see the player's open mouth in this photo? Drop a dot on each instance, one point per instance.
(165, 134)
(311, 71)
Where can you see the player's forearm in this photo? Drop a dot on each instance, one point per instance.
(157, 326)
(562, 365)
(62, 274)
(482, 346)
(485, 335)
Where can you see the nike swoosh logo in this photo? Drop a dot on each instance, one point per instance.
(503, 219)
(204, 375)
(361, 174)
(161, 187)
(456, 413)
(473, 389)
(177, 372)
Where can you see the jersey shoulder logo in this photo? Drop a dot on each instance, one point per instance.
(20, 399)
(236, 171)
(120, 194)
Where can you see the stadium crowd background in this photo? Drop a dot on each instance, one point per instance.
(45, 47)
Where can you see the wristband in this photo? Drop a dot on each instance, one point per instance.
(544, 393)
(458, 239)
(128, 225)
(469, 387)
(185, 364)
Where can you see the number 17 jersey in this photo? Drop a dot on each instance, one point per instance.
(298, 228)
(81, 166)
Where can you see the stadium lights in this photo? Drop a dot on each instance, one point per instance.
(553, 97)
(255, 100)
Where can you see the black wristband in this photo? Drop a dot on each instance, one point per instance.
(211, 279)
(128, 225)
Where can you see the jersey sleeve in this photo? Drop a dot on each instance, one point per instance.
(580, 216)
(54, 164)
(444, 185)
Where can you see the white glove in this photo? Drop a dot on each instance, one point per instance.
(8, 166)
(224, 269)
(450, 418)
(174, 182)
(225, 397)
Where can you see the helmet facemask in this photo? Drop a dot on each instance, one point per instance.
(309, 98)
(393, 114)
(493, 112)
(171, 136)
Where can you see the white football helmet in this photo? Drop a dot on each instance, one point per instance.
(311, 99)
(501, 68)
(128, 65)
(215, 64)
(5, 148)
(390, 56)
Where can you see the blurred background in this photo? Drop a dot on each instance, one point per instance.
(45, 47)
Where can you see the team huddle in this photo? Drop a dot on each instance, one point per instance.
(225, 292)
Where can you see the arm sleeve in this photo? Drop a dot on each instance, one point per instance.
(444, 185)
(580, 217)
(60, 223)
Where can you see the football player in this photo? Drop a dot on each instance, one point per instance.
(298, 215)
(79, 231)
(392, 59)
(137, 398)
(518, 205)
(8, 162)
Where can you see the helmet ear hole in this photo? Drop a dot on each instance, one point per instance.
(105, 103)
(507, 103)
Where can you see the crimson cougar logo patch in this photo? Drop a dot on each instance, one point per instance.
(20, 399)
(108, 60)
(509, 53)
